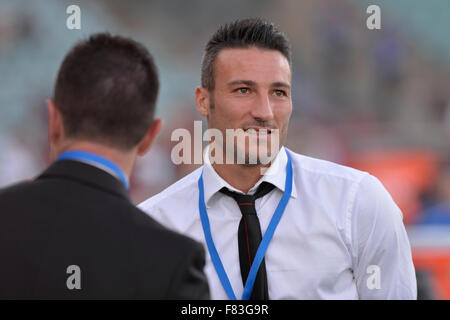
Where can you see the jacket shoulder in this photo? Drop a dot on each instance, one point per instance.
(148, 227)
(178, 259)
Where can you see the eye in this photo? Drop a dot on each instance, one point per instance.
(279, 93)
(243, 90)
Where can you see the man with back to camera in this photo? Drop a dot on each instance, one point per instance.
(306, 228)
(73, 232)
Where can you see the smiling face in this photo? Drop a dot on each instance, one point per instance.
(251, 91)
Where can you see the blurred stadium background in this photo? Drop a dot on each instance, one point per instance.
(377, 100)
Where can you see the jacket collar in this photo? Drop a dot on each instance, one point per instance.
(85, 174)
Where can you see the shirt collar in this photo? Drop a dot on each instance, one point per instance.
(275, 174)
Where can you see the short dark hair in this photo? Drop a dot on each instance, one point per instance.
(106, 90)
(242, 34)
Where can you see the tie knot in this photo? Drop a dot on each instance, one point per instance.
(246, 202)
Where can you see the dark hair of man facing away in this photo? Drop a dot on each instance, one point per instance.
(106, 90)
(242, 34)
(77, 214)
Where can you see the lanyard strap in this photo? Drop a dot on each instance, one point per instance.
(95, 159)
(248, 288)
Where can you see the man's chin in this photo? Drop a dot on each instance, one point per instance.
(255, 158)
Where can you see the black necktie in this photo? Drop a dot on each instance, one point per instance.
(249, 237)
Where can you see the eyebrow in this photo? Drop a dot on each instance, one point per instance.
(280, 84)
(253, 83)
(245, 82)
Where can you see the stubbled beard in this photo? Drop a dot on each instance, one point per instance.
(249, 161)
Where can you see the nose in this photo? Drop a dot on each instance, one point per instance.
(262, 109)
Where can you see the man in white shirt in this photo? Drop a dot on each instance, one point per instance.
(329, 231)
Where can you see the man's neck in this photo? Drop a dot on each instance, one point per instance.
(125, 160)
(241, 177)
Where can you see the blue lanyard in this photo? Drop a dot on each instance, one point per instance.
(92, 157)
(248, 288)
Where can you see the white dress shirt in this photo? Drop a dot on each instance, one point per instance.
(340, 237)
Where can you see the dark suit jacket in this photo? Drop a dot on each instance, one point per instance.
(77, 214)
